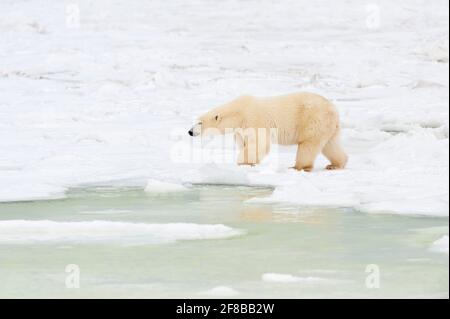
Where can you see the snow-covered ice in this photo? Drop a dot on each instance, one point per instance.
(44, 231)
(105, 91)
(221, 291)
(158, 187)
(287, 278)
(440, 245)
(106, 212)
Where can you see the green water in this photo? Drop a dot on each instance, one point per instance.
(333, 245)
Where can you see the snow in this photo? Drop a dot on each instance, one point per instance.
(440, 245)
(45, 231)
(158, 187)
(105, 91)
(287, 278)
(221, 291)
(106, 212)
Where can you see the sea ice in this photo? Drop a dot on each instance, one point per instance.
(440, 245)
(111, 97)
(46, 231)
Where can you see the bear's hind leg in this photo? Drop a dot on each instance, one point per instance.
(335, 154)
(306, 155)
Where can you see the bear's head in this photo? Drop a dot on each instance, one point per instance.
(221, 120)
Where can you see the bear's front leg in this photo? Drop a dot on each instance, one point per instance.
(252, 151)
(306, 155)
(245, 155)
(243, 158)
(241, 147)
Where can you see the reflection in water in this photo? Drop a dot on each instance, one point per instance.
(287, 214)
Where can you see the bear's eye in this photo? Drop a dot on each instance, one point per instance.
(216, 117)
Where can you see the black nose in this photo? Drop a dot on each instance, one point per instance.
(191, 132)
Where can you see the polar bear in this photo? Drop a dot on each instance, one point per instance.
(307, 120)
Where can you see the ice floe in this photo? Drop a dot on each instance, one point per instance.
(159, 187)
(440, 245)
(221, 291)
(288, 279)
(46, 231)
